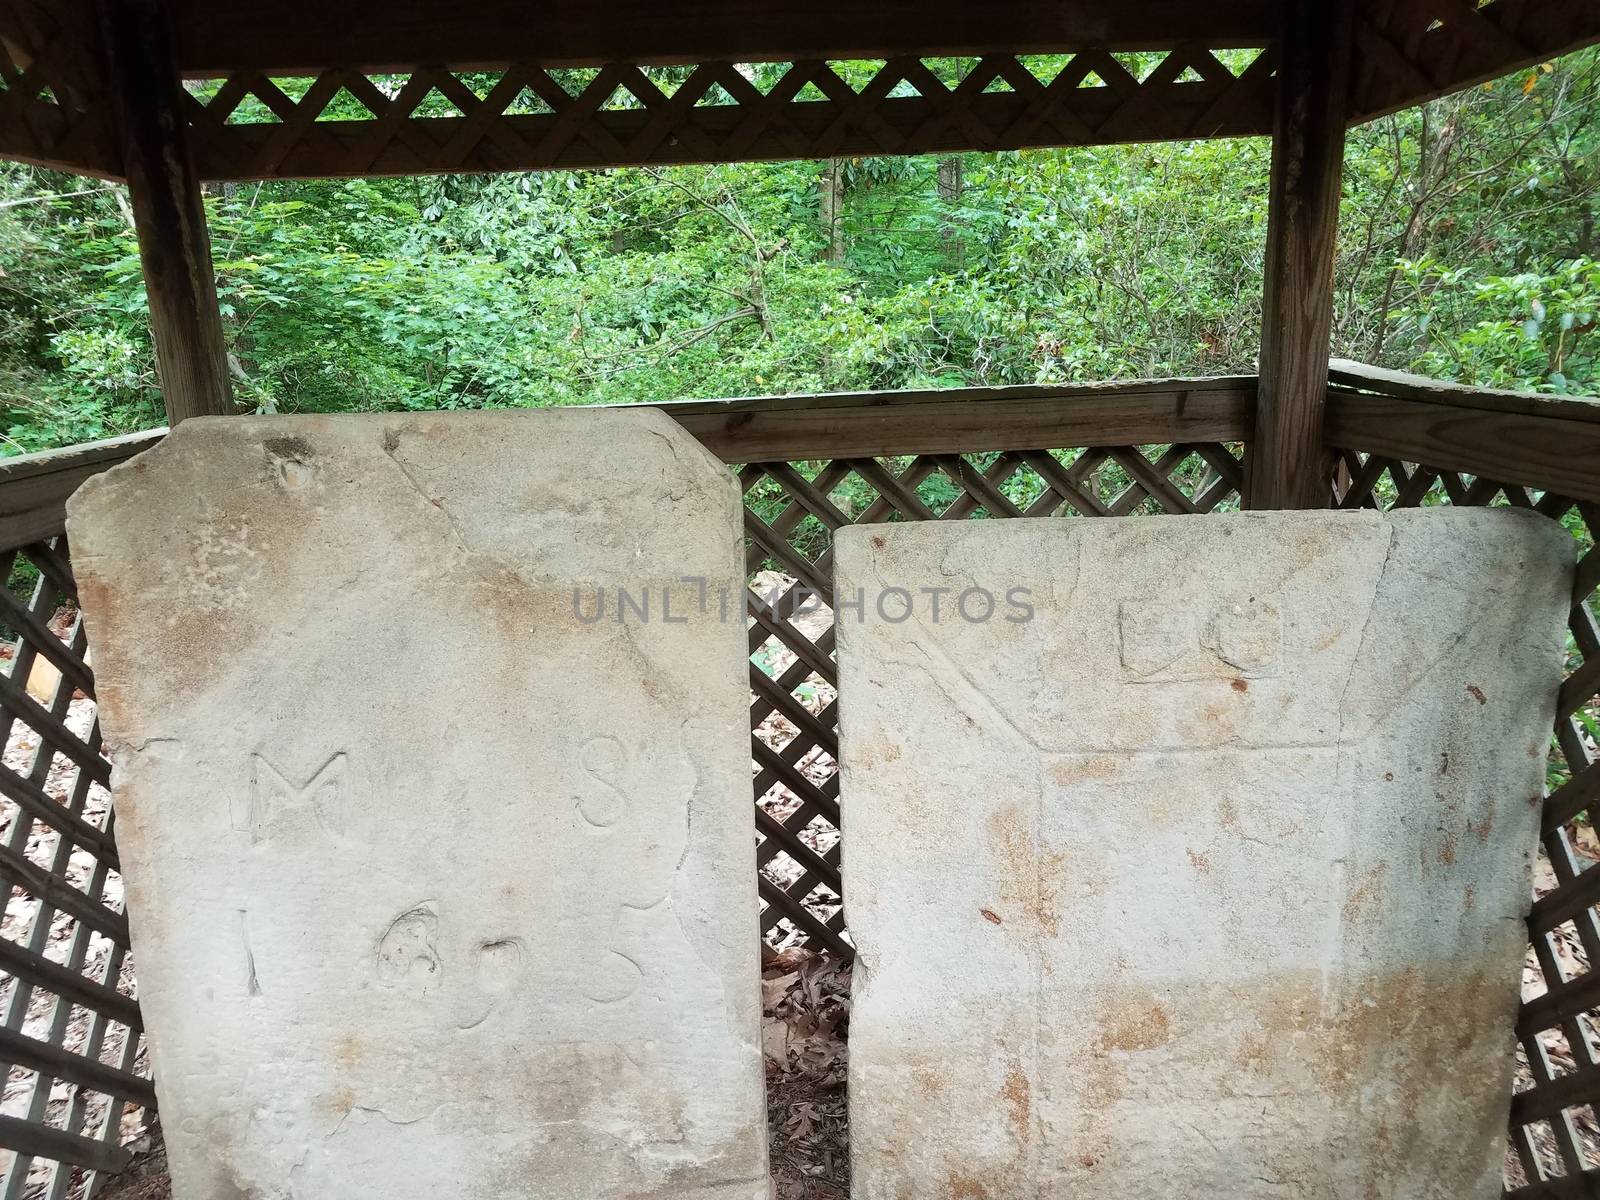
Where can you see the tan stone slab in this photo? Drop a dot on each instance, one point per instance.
(1208, 880)
(438, 887)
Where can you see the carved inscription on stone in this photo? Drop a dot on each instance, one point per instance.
(603, 802)
(1163, 893)
(1167, 641)
(446, 892)
(273, 801)
(407, 955)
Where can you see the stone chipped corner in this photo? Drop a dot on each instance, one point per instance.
(102, 494)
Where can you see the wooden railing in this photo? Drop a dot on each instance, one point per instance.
(34, 487)
(67, 1012)
(1515, 437)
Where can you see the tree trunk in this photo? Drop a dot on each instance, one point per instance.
(951, 187)
(830, 191)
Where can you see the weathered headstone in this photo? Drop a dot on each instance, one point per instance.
(1196, 869)
(440, 874)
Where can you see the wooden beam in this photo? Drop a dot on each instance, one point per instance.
(1361, 377)
(169, 212)
(34, 487)
(1561, 1187)
(54, 108)
(33, 1140)
(24, 1051)
(17, 960)
(1550, 452)
(303, 36)
(1288, 465)
(1410, 53)
(966, 420)
(670, 132)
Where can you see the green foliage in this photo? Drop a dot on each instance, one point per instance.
(1529, 330)
(1469, 251)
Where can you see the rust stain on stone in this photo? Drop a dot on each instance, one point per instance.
(1141, 1024)
(1018, 1095)
(1198, 861)
(1079, 768)
(1228, 813)
(991, 916)
(1323, 1039)
(1477, 693)
(1360, 896)
(341, 1102)
(1030, 875)
(1240, 685)
(964, 1187)
(347, 1052)
(928, 1081)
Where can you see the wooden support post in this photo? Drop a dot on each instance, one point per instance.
(168, 211)
(1289, 463)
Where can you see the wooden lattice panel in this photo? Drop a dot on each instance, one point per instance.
(70, 1030)
(1555, 1132)
(343, 122)
(54, 106)
(791, 511)
(1411, 51)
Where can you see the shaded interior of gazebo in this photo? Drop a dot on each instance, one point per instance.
(169, 94)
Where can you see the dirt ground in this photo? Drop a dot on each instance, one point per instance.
(146, 1178)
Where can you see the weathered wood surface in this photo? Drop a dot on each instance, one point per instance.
(1359, 376)
(1289, 465)
(169, 213)
(1420, 420)
(718, 115)
(1408, 52)
(18, 961)
(74, 1068)
(33, 1140)
(304, 35)
(54, 107)
(1413, 51)
(866, 424)
(34, 487)
(1545, 452)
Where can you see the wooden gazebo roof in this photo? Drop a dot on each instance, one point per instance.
(400, 64)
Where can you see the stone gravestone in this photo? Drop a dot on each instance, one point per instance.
(1195, 865)
(440, 874)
